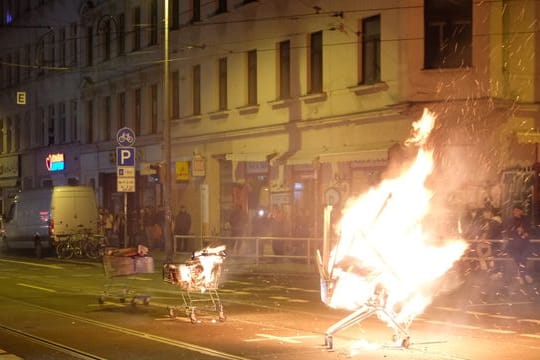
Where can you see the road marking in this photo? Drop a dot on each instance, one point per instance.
(499, 331)
(36, 287)
(535, 336)
(282, 339)
(57, 267)
(534, 321)
(504, 317)
(438, 322)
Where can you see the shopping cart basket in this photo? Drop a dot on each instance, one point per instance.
(124, 266)
(198, 280)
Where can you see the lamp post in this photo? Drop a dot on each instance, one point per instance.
(167, 231)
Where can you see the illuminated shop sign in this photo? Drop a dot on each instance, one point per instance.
(55, 162)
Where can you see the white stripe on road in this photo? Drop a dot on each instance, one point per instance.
(58, 267)
(36, 287)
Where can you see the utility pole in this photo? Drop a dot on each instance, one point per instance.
(168, 181)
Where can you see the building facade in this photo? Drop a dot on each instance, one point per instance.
(289, 105)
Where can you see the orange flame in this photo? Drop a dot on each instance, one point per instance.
(383, 243)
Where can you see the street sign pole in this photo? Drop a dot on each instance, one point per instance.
(125, 170)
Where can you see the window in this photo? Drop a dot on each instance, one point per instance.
(17, 68)
(89, 122)
(107, 117)
(252, 77)
(121, 110)
(9, 134)
(74, 55)
(73, 119)
(51, 126)
(175, 93)
(154, 108)
(28, 59)
(25, 131)
(316, 63)
(121, 35)
(52, 50)
(17, 133)
(9, 78)
(153, 23)
(174, 14)
(2, 124)
(62, 123)
(136, 28)
(221, 6)
(448, 34)
(196, 10)
(89, 46)
(370, 44)
(223, 84)
(39, 127)
(285, 69)
(137, 111)
(106, 39)
(197, 90)
(62, 47)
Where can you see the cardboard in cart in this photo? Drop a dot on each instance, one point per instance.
(144, 264)
(118, 265)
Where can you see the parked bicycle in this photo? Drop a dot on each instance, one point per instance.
(81, 244)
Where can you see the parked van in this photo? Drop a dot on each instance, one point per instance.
(37, 219)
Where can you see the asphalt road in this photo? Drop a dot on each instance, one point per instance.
(51, 310)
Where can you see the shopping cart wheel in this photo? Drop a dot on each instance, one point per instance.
(193, 318)
(222, 317)
(146, 300)
(172, 313)
(134, 302)
(101, 299)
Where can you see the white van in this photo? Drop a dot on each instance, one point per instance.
(39, 218)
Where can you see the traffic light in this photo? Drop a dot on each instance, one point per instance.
(161, 175)
(156, 177)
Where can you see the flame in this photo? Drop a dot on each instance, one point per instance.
(383, 244)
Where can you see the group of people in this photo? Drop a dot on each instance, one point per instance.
(512, 234)
(143, 227)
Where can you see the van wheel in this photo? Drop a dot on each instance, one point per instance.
(38, 248)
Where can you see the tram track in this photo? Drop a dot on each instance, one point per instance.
(79, 354)
(52, 345)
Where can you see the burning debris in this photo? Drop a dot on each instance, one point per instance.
(385, 263)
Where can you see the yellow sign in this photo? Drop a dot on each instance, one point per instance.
(21, 97)
(182, 170)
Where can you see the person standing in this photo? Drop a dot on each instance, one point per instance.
(238, 221)
(518, 245)
(182, 226)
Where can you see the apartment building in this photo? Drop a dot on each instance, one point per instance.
(292, 104)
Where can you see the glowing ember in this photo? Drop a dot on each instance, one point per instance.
(384, 251)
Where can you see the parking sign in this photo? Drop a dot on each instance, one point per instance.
(125, 156)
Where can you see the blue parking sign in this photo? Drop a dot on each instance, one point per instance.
(125, 156)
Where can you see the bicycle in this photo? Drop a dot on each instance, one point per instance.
(82, 244)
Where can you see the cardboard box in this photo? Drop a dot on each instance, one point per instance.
(144, 264)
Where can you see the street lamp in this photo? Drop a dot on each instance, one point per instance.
(167, 232)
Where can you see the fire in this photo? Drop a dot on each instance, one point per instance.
(384, 249)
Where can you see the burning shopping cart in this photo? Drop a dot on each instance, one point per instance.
(124, 263)
(388, 256)
(198, 280)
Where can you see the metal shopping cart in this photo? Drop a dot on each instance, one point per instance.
(124, 266)
(198, 280)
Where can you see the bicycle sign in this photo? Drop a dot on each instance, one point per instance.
(125, 137)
